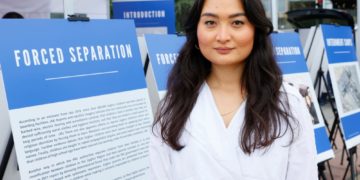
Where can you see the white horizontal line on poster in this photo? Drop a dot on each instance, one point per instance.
(286, 62)
(341, 52)
(81, 75)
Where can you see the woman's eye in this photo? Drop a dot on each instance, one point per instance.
(210, 23)
(238, 23)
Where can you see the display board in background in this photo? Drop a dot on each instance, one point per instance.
(150, 16)
(289, 55)
(78, 102)
(340, 56)
(314, 52)
(163, 51)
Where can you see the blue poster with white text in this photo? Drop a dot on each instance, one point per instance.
(148, 13)
(345, 79)
(77, 98)
(163, 51)
(290, 58)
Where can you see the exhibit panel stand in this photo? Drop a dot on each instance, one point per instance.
(6, 139)
(12, 170)
(314, 51)
(78, 102)
(163, 51)
(290, 57)
(339, 57)
(321, 81)
(6, 156)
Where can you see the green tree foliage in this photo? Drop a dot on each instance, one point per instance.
(111, 9)
(182, 8)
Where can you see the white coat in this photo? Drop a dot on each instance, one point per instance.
(212, 151)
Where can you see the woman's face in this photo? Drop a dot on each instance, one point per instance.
(225, 35)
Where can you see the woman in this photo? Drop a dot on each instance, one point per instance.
(227, 115)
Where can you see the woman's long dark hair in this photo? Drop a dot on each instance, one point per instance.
(261, 80)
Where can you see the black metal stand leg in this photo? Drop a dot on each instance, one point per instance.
(327, 125)
(342, 154)
(351, 164)
(333, 131)
(346, 170)
(6, 157)
(321, 169)
(352, 152)
(331, 174)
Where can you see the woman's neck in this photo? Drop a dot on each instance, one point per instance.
(225, 85)
(225, 77)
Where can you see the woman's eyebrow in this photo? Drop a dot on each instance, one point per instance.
(216, 16)
(210, 15)
(236, 15)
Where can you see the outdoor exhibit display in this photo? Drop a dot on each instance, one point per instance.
(289, 55)
(150, 16)
(163, 51)
(77, 98)
(340, 56)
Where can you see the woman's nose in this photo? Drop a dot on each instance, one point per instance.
(223, 34)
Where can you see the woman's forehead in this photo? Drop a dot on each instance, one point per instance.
(222, 6)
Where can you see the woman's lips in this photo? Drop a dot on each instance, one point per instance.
(223, 50)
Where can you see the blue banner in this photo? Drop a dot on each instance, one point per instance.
(340, 48)
(322, 140)
(289, 55)
(150, 13)
(339, 43)
(46, 61)
(163, 51)
(288, 52)
(351, 125)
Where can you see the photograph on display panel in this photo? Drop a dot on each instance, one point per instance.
(303, 85)
(347, 81)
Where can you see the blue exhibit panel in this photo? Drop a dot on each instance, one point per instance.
(46, 61)
(289, 55)
(339, 43)
(163, 51)
(322, 140)
(150, 13)
(351, 125)
(288, 52)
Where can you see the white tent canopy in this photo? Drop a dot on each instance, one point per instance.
(95, 9)
(28, 8)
